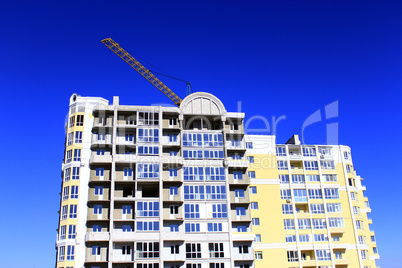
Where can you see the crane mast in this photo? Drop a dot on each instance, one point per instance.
(116, 48)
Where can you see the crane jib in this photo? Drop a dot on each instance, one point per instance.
(136, 65)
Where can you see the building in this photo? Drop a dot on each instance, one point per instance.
(153, 187)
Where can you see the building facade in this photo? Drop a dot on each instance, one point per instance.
(154, 186)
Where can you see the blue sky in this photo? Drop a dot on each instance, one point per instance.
(288, 58)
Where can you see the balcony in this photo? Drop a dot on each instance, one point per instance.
(100, 159)
(106, 141)
(243, 163)
(235, 146)
(97, 236)
(308, 262)
(244, 181)
(172, 160)
(337, 230)
(175, 236)
(243, 237)
(341, 261)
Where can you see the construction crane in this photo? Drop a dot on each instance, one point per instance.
(116, 48)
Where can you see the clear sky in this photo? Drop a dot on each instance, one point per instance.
(287, 58)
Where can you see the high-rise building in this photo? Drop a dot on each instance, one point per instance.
(168, 187)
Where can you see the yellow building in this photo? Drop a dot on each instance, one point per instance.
(154, 186)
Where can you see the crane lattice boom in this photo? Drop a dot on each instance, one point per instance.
(116, 48)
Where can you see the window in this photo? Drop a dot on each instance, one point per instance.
(249, 145)
(78, 137)
(145, 171)
(67, 174)
(349, 169)
(194, 192)
(69, 155)
(193, 265)
(62, 234)
(241, 228)
(77, 155)
(356, 210)
(284, 178)
(173, 190)
(214, 192)
(148, 135)
(239, 193)
(172, 153)
(76, 173)
(240, 211)
(362, 239)
(289, 224)
(319, 224)
(346, 155)
(336, 222)
(96, 250)
(251, 174)
(219, 211)
(285, 194)
(258, 255)
(358, 225)
(314, 193)
(257, 238)
(98, 209)
(192, 139)
(130, 120)
(147, 250)
(297, 178)
(174, 249)
(216, 250)
(280, 151)
(172, 121)
(174, 228)
(236, 157)
(317, 208)
(101, 136)
(309, 151)
(303, 238)
(250, 159)
(196, 154)
(312, 177)
(99, 172)
(62, 251)
(235, 142)
(173, 172)
(71, 232)
(126, 209)
(172, 138)
(192, 211)
(310, 165)
(126, 227)
(100, 152)
(290, 238)
(353, 196)
(213, 140)
(299, 195)
(65, 192)
(331, 193)
(174, 209)
(193, 174)
(192, 227)
(256, 221)
(335, 238)
(148, 118)
(98, 190)
(74, 192)
(234, 126)
(64, 212)
(304, 224)
(327, 164)
(330, 178)
(213, 154)
(254, 205)
(70, 138)
(193, 250)
(375, 251)
(73, 212)
(282, 165)
(363, 253)
(148, 150)
(243, 249)
(126, 250)
(214, 227)
(320, 237)
(80, 120)
(215, 173)
(147, 226)
(287, 209)
(237, 175)
(148, 209)
(253, 189)
(323, 255)
(293, 256)
(324, 150)
(373, 239)
(97, 228)
(72, 121)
